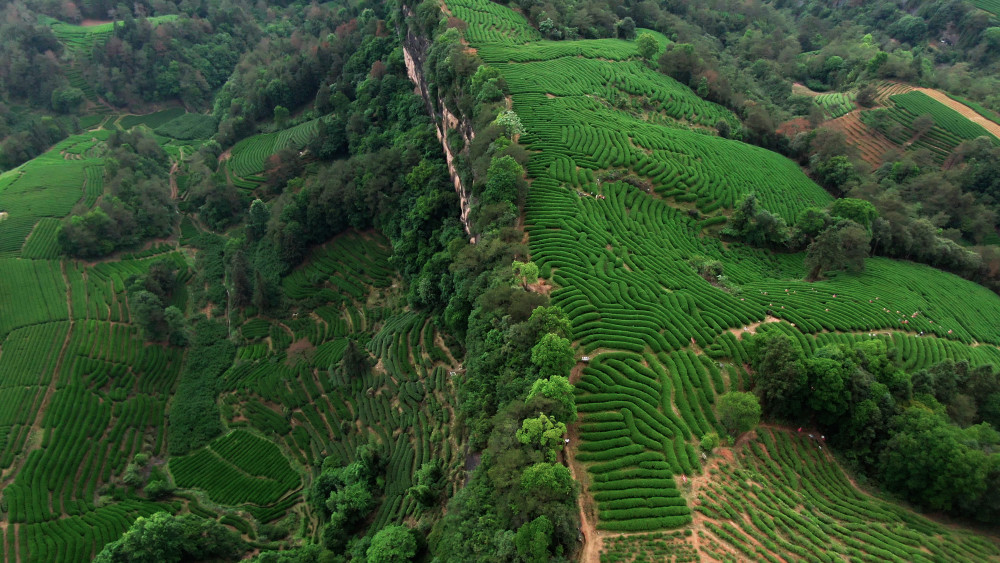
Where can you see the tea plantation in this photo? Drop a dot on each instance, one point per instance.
(322, 356)
(609, 225)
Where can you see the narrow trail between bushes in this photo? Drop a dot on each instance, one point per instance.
(173, 180)
(592, 542)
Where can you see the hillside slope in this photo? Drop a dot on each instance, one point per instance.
(619, 154)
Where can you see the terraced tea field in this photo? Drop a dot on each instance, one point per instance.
(991, 6)
(406, 401)
(783, 498)
(250, 154)
(47, 186)
(872, 143)
(80, 396)
(83, 393)
(837, 104)
(567, 103)
(954, 122)
(662, 343)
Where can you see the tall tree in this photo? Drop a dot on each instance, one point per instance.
(738, 412)
(553, 355)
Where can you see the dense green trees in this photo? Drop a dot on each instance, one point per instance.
(189, 68)
(163, 538)
(429, 484)
(938, 464)
(647, 46)
(559, 390)
(928, 436)
(345, 495)
(29, 61)
(139, 208)
(149, 302)
(780, 375)
(553, 355)
(392, 544)
(738, 412)
(843, 246)
(501, 513)
(757, 225)
(528, 271)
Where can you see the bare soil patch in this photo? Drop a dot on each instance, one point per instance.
(92, 23)
(173, 180)
(592, 541)
(301, 348)
(795, 126)
(542, 286)
(802, 90)
(872, 144)
(752, 328)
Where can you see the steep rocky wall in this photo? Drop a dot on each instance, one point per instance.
(414, 53)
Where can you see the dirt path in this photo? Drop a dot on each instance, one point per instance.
(695, 484)
(592, 542)
(752, 328)
(963, 109)
(173, 179)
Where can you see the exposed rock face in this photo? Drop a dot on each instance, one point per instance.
(414, 54)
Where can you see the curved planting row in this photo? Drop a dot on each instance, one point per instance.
(631, 445)
(94, 186)
(249, 155)
(31, 292)
(577, 133)
(992, 6)
(957, 125)
(296, 137)
(42, 243)
(106, 351)
(889, 295)
(28, 360)
(950, 128)
(405, 401)
(614, 49)
(109, 404)
(340, 272)
(836, 104)
(492, 23)
(790, 501)
(78, 538)
(633, 290)
(46, 186)
(237, 468)
(255, 456)
(580, 76)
